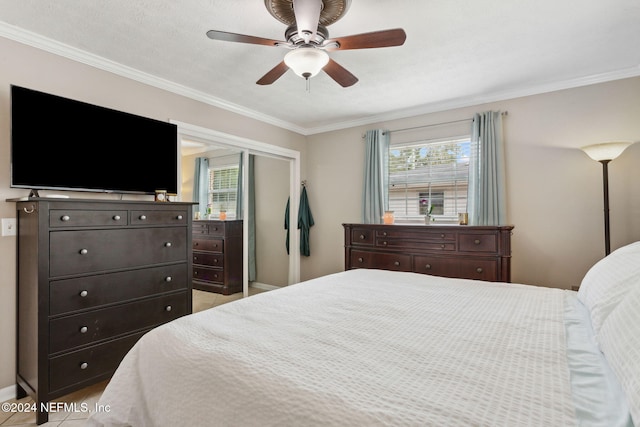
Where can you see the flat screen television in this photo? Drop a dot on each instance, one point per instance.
(63, 144)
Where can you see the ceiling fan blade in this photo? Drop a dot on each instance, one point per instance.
(307, 14)
(340, 74)
(384, 38)
(241, 38)
(274, 74)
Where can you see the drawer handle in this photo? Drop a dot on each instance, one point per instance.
(195, 243)
(397, 263)
(195, 258)
(117, 218)
(442, 236)
(84, 330)
(142, 217)
(384, 243)
(362, 237)
(179, 217)
(215, 228)
(360, 260)
(83, 251)
(65, 218)
(167, 245)
(168, 279)
(167, 308)
(215, 261)
(442, 246)
(428, 266)
(84, 365)
(479, 269)
(84, 293)
(384, 233)
(195, 273)
(477, 241)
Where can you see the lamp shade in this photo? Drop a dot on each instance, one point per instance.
(306, 61)
(606, 150)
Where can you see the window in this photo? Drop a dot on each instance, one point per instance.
(223, 189)
(429, 177)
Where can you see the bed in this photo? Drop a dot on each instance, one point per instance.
(381, 348)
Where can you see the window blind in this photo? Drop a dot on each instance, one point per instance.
(429, 177)
(223, 189)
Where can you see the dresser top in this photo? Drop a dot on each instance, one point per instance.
(432, 226)
(97, 201)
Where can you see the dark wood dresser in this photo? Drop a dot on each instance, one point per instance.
(217, 256)
(93, 277)
(467, 252)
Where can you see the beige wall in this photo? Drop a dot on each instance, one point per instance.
(29, 67)
(554, 190)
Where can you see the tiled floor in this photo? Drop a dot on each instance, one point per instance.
(81, 400)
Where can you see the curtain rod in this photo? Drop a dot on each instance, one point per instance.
(504, 113)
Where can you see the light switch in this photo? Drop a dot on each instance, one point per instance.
(8, 226)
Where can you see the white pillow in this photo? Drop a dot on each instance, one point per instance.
(608, 281)
(619, 340)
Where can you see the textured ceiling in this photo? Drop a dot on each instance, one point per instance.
(457, 53)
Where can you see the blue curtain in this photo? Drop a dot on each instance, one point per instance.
(375, 194)
(251, 214)
(486, 199)
(200, 184)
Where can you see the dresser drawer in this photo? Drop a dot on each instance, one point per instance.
(362, 236)
(210, 259)
(216, 229)
(426, 234)
(487, 243)
(76, 252)
(210, 245)
(93, 291)
(479, 269)
(87, 364)
(158, 217)
(198, 228)
(393, 243)
(384, 261)
(87, 218)
(208, 274)
(72, 331)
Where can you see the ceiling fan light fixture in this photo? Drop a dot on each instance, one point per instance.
(306, 61)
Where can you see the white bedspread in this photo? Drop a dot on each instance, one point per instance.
(359, 348)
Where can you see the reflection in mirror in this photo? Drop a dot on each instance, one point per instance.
(222, 190)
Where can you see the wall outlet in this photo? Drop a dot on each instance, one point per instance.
(8, 226)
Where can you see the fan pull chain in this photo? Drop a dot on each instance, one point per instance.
(308, 84)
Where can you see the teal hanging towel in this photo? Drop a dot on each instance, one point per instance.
(305, 222)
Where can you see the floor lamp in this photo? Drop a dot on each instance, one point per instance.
(604, 153)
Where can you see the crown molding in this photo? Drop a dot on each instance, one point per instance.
(479, 100)
(49, 45)
(35, 40)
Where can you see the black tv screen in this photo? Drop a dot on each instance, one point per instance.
(62, 144)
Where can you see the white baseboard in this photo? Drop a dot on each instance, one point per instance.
(7, 393)
(263, 286)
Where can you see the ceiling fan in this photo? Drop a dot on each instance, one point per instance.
(308, 40)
